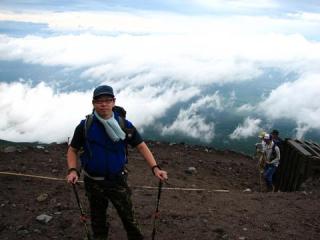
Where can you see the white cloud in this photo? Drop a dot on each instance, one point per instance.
(297, 101)
(157, 22)
(190, 122)
(38, 114)
(249, 128)
(237, 5)
(191, 125)
(155, 60)
(186, 59)
(114, 22)
(245, 108)
(301, 130)
(68, 50)
(153, 46)
(306, 16)
(145, 105)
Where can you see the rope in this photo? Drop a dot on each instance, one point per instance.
(185, 189)
(32, 176)
(139, 187)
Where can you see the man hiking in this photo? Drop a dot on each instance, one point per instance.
(101, 140)
(272, 154)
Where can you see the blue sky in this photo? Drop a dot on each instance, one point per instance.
(187, 68)
(187, 6)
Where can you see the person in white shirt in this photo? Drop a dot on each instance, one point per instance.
(272, 153)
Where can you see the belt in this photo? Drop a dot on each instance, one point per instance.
(107, 177)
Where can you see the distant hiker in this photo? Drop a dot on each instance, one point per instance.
(260, 151)
(272, 155)
(101, 142)
(260, 146)
(260, 156)
(276, 139)
(280, 143)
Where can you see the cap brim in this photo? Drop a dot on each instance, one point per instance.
(103, 93)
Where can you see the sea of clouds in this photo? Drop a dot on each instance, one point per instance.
(157, 61)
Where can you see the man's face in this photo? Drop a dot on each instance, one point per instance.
(267, 141)
(103, 105)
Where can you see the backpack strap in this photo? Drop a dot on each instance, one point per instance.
(274, 147)
(128, 131)
(87, 124)
(122, 123)
(274, 152)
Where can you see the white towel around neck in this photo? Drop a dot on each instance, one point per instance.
(112, 127)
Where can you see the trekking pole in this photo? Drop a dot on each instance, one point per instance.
(156, 214)
(83, 217)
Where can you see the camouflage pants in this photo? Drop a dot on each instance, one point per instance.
(99, 194)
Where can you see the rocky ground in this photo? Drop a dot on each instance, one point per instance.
(190, 206)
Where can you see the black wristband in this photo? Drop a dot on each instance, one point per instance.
(155, 166)
(73, 169)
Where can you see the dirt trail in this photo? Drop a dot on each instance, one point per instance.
(202, 214)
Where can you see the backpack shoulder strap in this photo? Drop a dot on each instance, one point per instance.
(274, 147)
(122, 123)
(121, 112)
(127, 130)
(87, 124)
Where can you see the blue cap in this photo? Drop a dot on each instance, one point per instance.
(103, 90)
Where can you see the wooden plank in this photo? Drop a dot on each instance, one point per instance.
(311, 149)
(297, 144)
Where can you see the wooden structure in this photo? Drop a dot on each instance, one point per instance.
(300, 160)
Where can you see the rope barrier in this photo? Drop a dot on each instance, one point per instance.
(34, 176)
(185, 189)
(139, 187)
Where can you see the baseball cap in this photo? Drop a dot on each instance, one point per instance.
(261, 134)
(103, 90)
(267, 136)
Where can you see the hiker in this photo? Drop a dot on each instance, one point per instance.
(272, 155)
(280, 143)
(259, 153)
(276, 139)
(260, 156)
(260, 146)
(102, 149)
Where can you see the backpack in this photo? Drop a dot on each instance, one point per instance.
(122, 122)
(274, 153)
